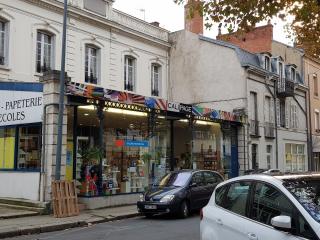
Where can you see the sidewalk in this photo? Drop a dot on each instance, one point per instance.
(47, 223)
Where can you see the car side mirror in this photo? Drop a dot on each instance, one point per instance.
(193, 185)
(282, 223)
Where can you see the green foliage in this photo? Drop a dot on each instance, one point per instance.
(91, 155)
(244, 14)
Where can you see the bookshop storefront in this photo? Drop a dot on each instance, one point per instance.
(20, 139)
(139, 139)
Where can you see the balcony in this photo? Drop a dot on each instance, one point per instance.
(254, 128)
(269, 130)
(285, 88)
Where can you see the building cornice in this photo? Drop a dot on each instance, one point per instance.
(117, 20)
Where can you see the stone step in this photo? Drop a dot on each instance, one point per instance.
(29, 205)
(25, 208)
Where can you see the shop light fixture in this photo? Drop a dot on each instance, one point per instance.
(87, 107)
(184, 120)
(127, 112)
(206, 123)
(116, 110)
(86, 114)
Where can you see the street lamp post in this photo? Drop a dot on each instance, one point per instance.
(61, 92)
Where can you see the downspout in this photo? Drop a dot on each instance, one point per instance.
(275, 121)
(274, 96)
(309, 129)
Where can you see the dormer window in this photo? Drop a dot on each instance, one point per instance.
(293, 74)
(267, 63)
(280, 70)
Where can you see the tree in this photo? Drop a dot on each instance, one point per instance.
(243, 15)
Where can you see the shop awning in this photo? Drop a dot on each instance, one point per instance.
(98, 93)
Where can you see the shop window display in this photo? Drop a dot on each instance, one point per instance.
(29, 148)
(7, 147)
(132, 157)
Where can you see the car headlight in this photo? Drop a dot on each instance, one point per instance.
(167, 198)
(141, 198)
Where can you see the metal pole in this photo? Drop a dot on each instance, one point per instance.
(61, 93)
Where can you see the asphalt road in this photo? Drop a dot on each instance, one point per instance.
(129, 229)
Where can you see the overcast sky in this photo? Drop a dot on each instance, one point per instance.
(170, 15)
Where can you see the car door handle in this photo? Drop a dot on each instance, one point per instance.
(219, 221)
(252, 236)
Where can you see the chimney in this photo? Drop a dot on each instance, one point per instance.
(193, 19)
(257, 40)
(157, 24)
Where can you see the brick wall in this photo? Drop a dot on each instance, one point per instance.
(256, 41)
(193, 21)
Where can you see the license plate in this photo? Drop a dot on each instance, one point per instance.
(150, 206)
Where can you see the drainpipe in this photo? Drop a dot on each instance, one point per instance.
(274, 96)
(309, 128)
(275, 122)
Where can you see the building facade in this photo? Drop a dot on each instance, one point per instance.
(106, 48)
(312, 71)
(290, 109)
(122, 131)
(264, 86)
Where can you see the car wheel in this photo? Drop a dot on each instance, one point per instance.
(148, 215)
(184, 210)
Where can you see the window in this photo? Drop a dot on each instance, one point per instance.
(220, 195)
(20, 148)
(155, 79)
(268, 110)
(29, 148)
(211, 178)
(280, 71)
(295, 157)
(91, 64)
(316, 120)
(293, 74)
(315, 85)
(254, 156)
(269, 156)
(3, 42)
(267, 63)
(44, 52)
(198, 179)
(235, 199)
(7, 147)
(129, 73)
(253, 103)
(268, 202)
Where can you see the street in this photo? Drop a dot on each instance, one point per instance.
(134, 229)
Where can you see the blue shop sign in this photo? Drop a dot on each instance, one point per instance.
(132, 143)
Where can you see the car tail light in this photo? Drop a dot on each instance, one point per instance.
(201, 214)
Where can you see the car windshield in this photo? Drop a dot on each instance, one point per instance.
(307, 191)
(175, 179)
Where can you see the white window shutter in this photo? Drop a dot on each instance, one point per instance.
(287, 113)
(292, 117)
(272, 110)
(278, 112)
(296, 116)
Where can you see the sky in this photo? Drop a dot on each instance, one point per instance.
(171, 16)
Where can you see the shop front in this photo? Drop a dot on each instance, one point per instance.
(20, 139)
(125, 142)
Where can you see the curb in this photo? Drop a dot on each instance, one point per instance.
(61, 226)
